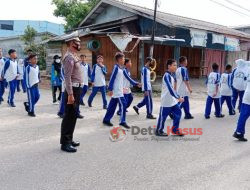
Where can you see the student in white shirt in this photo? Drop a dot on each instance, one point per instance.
(183, 86)
(169, 101)
(32, 78)
(10, 73)
(2, 80)
(226, 89)
(127, 83)
(86, 71)
(116, 91)
(98, 81)
(213, 90)
(239, 82)
(147, 89)
(20, 78)
(245, 111)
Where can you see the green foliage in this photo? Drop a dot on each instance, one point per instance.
(73, 11)
(40, 49)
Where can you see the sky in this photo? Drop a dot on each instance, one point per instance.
(207, 10)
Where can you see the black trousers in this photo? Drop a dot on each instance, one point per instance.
(70, 117)
(54, 89)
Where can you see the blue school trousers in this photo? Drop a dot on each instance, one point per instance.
(84, 91)
(147, 100)
(129, 99)
(12, 90)
(164, 113)
(185, 106)
(112, 107)
(96, 89)
(237, 94)
(217, 106)
(229, 102)
(33, 97)
(244, 115)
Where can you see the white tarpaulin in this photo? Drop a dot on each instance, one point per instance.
(198, 38)
(232, 44)
(218, 39)
(121, 41)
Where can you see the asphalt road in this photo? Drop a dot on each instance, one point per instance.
(30, 156)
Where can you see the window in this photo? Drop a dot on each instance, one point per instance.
(6, 27)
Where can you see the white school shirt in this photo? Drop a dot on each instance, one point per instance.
(31, 75)
(181, 77)
(239, 76)
(212, 82)
(99, 76)
(2, 62)
(85, 70)
(116, 82)
(168, 94)
(225, 84)
(145, 79)
(20, 66)
(246, 97)
(127, 82)
(11, 72)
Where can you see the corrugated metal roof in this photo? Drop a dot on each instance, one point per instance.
(168, 19)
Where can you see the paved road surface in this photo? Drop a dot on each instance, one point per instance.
(30, 157)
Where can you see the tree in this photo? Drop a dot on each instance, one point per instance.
(30, 43)
(73, 11)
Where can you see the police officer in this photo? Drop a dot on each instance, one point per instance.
(73, 84)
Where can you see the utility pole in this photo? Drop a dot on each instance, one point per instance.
(153, 31)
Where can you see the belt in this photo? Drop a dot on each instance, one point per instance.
(77, 85)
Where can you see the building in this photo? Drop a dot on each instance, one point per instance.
(114, 26)
(15, 42)
(10, 28)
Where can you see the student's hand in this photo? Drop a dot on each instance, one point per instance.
(181, 100)
(190, 91)
(146, 93)
(110, 93)
(71, 99)
(92, 84)
(214, 94)
(139, 85)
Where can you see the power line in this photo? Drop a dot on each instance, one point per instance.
(227, 7)
(237, 5)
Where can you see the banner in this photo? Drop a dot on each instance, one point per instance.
(198, 38)
(218, 39)
(232, 44)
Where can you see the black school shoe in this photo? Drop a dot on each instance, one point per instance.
(233, 113)
(108, 123)
(207, 117)
(189, 117)
(26, 106)
(75, 144)
(161, 134)
(125, 125)
(136, 110)
(60, 115)
(31, 114)
(220, 116)
(68, 148)
(240, 137)
(151, 117)
(80, 116)
(178, 134)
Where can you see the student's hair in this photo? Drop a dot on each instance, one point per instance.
(29, 50)
(228, 67)
(215, 67)
(99, 56)
(182, 59)
(11, 51)
(127, 60)
(32, 55)
(83, 56)
(119, 55)
(149, 59)
(170, 62)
